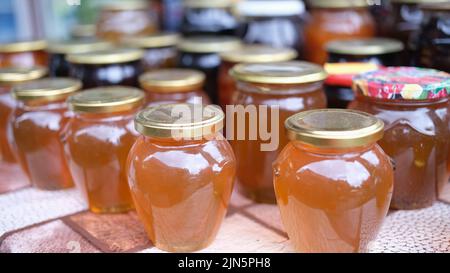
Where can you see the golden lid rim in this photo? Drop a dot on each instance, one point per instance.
(153, 41)
(207, 3)
(333, 138)
(418, 1)
(209, 44)
(439, 6)
(77, 46)
(121, 55)
(182, 80)
(339, 3)
(106, 99)
(48, 89)
(278, 74)
(84, 31)
(16, 75)
(189, 130)
(125, 5)
(373, 46)
(259, 54)
(22, 46)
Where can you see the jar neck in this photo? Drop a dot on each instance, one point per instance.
(170, 142)
(401, 102)
(279, 89)
(36, 105)
(108, 116)
(332, 151)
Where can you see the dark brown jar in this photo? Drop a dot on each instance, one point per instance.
(107, 67)
(202, 53)
(58, 65)
(160, 50)
(25, 54)
(433, 44)
(346, 58)
(175, 85)
(206, 17)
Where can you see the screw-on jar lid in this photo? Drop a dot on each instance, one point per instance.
(77, 46)
(265, 8)
(436, 6)
(109, 56)
(371, 46)
(338, 3)
(120, 5)
(106, 99)
(16, 74)
(162, 39)
(209, 44)
(418, 1)
(294, 72)
(84, 31)
(23, 46)
(172, 80)
(48, 89)
(259, 54)
(334, 128)
(207, 3)
(187, 121)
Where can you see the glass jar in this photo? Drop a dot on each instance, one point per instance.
(181, 173)
(202, 53)
(120, 66)
(25, 54)
(247, 54)
(37, 124)
(175, 85)
(206, 17)
(12, 176)
(272, 23)
(97, 141)
(266, 95)
(58, 65)
(413, 103)
(334, 20)
(160, 50)
(121, 19)
(332, 181)
(433, 45)
(347, 58)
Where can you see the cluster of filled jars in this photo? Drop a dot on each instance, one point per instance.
(129, 118)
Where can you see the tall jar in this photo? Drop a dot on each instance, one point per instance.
(247, 54)
(97, 140)
(120, 19)
(334, 20)
(37, 125)
(11, 175)
(413, 103)
(332, 181)
(58, 65)
(206, 17)
(202, 53)
(265, 96)
(24, 54)
(160, 50)
(347, 58)
(175, 85)
(119, 66)
(272, 23)
(181, 172)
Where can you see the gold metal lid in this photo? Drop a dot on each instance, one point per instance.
(155, 40)
(293, 72)
(334, 128)
(77, 46)
(48, 89)
(84, 31)
(22, 46)
(109, 56)
(119, 5)
(207, 3)
(259, 54)
(15, 74)
(106, 99)
(440, 6)
(373, 46)
(187, 121)
(209, 44)
(338, 3)
(418, 1)
(172, 80)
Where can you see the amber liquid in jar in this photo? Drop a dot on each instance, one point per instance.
(24, 54)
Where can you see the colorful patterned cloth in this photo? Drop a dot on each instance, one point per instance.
(403, 83)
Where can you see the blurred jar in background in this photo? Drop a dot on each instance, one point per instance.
(11, 175)
(347, 58)
(247, 54)
(37, 124)
(97, 141)
(433, 43)
(331, 20)
(202, 53)
(160, 50)
(208, 17)
(382, 14)
(120, 66)
(176, 85)
(273, 23)
(58, 65)
(83, 32)
(24, 54)
(120, 19)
